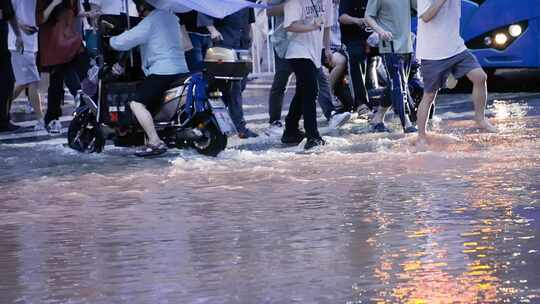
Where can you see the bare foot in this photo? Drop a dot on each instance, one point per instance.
(421, 143)
(486, 126)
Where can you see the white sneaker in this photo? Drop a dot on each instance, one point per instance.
(54, 127)
(275, 129)
(338, 119)
(40, 126)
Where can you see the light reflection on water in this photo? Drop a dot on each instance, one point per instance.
(367, 220)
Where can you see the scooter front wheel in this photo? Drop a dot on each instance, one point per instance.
(85, 134)
(212, 142)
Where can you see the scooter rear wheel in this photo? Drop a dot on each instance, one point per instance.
(213, 141)
(85, 134)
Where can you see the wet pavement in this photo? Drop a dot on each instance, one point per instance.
(367, 219)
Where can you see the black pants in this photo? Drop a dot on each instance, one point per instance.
(7, 80)
(58, 75)
(303, 103)
(357, 68)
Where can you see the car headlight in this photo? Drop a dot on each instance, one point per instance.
(499, 38)
(515, 30)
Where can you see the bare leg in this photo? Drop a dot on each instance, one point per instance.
(17, 91)
(423, 113)
(479, 95)
(35, 99)
(146, 121)
(339, 69)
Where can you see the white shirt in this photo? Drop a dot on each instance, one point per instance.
(307, 45)
(25, 12)
(115, 7)
(439, 38)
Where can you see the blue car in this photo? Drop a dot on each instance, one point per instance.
(502, 33)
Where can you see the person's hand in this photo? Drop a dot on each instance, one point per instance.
(28, 29)
(329, 58)
(361, 22)
(318, 23)
(216, 35)
(386, 35)
(19, 44)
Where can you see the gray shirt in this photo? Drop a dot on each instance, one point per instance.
(393, 16)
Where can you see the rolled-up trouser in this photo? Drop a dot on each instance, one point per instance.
(398, 67)
(7, 80)
(281, 77)
(303, 103)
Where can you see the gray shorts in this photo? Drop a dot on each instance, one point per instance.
(435, 72)
(24, 67)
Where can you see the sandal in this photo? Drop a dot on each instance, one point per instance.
(151, 150)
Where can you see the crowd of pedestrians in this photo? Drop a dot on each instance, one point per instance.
(322, 42)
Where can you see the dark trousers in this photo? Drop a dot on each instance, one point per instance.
(357, 71)
(232, 97)
(195, 56)
(398, 67)
(281, 77)
(303, 103)
(59, 74)
(7, 80)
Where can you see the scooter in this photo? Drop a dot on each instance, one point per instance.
(192, 112)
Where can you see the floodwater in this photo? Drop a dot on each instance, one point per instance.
(367, 219)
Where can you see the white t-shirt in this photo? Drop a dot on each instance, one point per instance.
(116, 7)
(307, 45)
(25, 11)
(439, 38)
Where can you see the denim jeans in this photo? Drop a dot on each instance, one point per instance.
(7, 80)
(195, 56)
(357, 71)
(303, 103)
(277, 92)
(398, 67)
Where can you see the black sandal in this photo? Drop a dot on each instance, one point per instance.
(151, 150)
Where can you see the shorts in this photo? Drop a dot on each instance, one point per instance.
(25, 67)
(435, 72)
(150, 91)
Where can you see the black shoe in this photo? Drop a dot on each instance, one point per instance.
(410, 129)
(247, 133)
(9, 127)
(292, 137)
(314, 142)
(380, 128)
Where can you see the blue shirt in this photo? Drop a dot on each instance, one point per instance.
(159, 37)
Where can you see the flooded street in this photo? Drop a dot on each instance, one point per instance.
(367, 219)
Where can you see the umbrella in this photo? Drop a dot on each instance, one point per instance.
(215, 8)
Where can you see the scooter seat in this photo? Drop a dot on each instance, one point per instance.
(180, 81)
